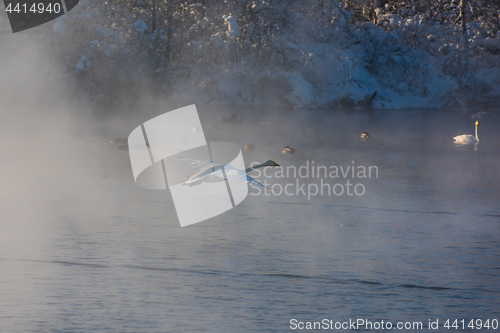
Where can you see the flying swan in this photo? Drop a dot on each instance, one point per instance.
(467, 138)
(212, 172)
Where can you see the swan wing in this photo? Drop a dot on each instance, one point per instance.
(197, 164)
(235, 174)
(197, 179)
(466, 138)
(240, 176)
(253, 181)
(209, 174)
(213, 171)
(207, 171)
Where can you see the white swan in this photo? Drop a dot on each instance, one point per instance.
(467, 138)
(212, 172)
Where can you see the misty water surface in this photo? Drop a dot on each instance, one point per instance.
(82, 248)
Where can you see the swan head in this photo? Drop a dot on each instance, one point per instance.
(477, 122)
(270, 163)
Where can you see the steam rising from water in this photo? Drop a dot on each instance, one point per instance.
(77, 235)
(59, 165)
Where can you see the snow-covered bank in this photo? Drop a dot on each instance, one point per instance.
(315, 54)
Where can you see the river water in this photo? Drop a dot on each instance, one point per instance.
(83, 249)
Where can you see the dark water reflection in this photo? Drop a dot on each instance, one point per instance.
(83, 249)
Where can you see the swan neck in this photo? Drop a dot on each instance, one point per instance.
(476, 134)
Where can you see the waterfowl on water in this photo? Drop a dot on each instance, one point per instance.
(467, 138)
(212, 172)
(119, 140)
(234, 119)
(249, 147)
(365, 135)
(482, 114)
(287, 150)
